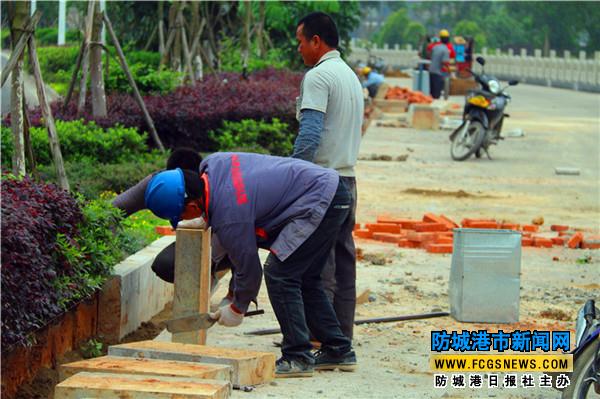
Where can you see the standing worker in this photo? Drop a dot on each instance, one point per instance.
(330, 110)
(373, 80)
(440, 64)
(292, 208)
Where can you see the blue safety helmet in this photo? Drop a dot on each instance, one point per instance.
(165, 195)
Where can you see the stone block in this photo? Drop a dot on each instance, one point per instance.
(128, 365)
(249, 367)
(424, 116)
(391, 106)
(134, 294)
(133, 386)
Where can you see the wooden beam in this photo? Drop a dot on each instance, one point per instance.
(136, 92)
(89, 21)
(82, 51)
(192, 280)
(61, 175)
(132, 386)
(186, 51)
(249, 367)
(124, 365)
(18, 49)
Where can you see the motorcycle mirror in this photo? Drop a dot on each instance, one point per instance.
(513, 82)
(480, 60)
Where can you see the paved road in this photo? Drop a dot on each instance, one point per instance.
(562, 129)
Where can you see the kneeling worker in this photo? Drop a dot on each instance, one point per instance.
(372, 80)
(292, 208)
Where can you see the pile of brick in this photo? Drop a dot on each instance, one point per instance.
(402, 93)
(434, 233)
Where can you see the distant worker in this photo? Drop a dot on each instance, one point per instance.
(439, 69)
(373, 80)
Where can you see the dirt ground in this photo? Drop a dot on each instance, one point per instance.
(562, 129)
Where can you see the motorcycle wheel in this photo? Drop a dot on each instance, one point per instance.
(467, 141)
(582, 384)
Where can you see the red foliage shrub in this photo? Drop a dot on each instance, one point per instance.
(32, 216)
(185, 116)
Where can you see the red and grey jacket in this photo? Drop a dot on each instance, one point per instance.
(259, 201)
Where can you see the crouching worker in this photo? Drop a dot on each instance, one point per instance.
(292, 208)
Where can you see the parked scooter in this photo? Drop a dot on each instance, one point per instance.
(482, 117)
(585, 378)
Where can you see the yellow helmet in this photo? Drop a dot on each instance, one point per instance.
(444, 33)
(365, 71)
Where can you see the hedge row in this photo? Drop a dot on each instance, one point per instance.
(56, 250)
(185, 116)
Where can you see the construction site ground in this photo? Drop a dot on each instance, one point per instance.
(562, 129)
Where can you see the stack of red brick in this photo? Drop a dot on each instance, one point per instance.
(434, 233)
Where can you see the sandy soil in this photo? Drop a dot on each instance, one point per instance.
(562, 129)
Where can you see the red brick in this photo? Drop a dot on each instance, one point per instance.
(483, 225)
(542, 242)
(558, 227)
(526, 241)
(451, 224)
(389, 219)
(590, 244)
(510, 226)
(363, 233)
(531, 228)
(558, 240)
(388, 237)
(467, 222)
(405, 243)
(426, 226)
(444, 240)
(383, 227)
(575, 241)
(422, 237)
(356, 226)
(439, 248)
(408, 223)
(164, 230)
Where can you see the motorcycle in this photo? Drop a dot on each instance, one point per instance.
(585, 377)
(483, 115)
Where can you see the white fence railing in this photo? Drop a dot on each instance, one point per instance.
(569, 72)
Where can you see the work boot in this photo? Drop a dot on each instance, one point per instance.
(285, 368)
(329, 361)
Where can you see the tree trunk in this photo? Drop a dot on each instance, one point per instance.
(246, 38)
(161, 29)
(47, 114)
(97, 78)
(19, 13)
(86, 58)
(177, 45)
(260, 29)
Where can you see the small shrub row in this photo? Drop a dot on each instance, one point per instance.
(185, 116)
(80, 140)
(56, 250)
(249, 135)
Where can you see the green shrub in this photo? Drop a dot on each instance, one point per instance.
(54, 59)
(231, 58)
(91, 178)
(49, 36)
(150, 58)
(79, 139)
(250, 135)
(147, 77)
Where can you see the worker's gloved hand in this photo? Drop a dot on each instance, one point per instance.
(228, 316)
(226, 301)
(196, 223)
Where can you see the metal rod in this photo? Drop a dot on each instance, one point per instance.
(270, 331)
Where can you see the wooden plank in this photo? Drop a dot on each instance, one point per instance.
(17, 52)
(249, 367)
(192, 280)
(128, 365)
(132, 386)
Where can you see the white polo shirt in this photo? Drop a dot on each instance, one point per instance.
(332, 87)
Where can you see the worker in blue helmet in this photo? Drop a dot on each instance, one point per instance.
(290, 207)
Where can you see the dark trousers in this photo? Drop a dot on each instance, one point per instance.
(339, 274)
(373, 89)
(296, 290)
(436, 84)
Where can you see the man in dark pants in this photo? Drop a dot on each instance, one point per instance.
(290, 207)
(330, 110)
